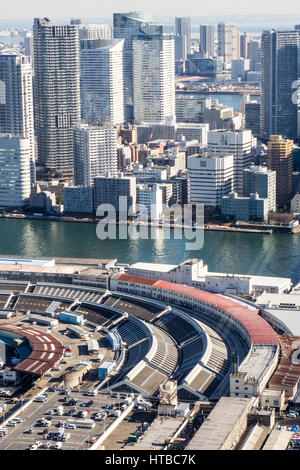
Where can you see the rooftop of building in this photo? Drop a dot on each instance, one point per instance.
(255, 365)
(290, 318)
(278, 440)
(277, 300)
(256, 280)
(258, 169)
(162, 268)
(163, 428)
(215, 430)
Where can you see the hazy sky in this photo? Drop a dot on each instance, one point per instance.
(101, 9)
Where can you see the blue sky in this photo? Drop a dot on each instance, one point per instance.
(98, 9)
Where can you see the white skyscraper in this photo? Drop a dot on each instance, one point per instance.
(182, 38)
(102, 97)
(15, 170)
(207, 40)
(95, 150)
(95, 31)
(125, 26)
(153, 75)
(228, 42)
(56, 92)
(16, 99)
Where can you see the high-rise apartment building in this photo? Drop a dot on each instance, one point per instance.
(95, 31)
(191, 108)
(280, 159)
(78, 199)
(28, 44)
(238, 143)
(102, 97)
(108, 190)
(254, 53)
(252, 117)
(280, 52)
(125, 25)
(16, 104)
(15, 170)
(207, 40)
(95, 152)
(244, 41)
(182, 37)
(56, 92)
(228, 42)
(153, 75)
(239, 68)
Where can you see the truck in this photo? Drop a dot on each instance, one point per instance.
(82, 423)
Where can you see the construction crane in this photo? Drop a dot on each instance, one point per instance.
(151, 135)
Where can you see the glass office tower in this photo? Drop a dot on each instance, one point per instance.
(280, 68)
(125, 26)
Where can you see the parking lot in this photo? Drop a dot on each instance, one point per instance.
(78, 352)
(29, 430)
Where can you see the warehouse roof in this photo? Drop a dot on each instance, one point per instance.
(216, 429)
(259, 330)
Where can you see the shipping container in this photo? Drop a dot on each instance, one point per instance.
(105, 369)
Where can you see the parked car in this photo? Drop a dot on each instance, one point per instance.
(33, 447)
(70, 426)
(29, 431)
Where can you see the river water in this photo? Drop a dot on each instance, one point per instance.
(243, 253)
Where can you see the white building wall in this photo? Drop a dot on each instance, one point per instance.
(209, 179)
(102, 91)
(95, 31)
(15, 170)
(16, 114)
(238, 143)
(151, 197)
(95, 151)
(227, 42)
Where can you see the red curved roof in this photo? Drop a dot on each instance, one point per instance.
(46, 350)
(260, 332)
